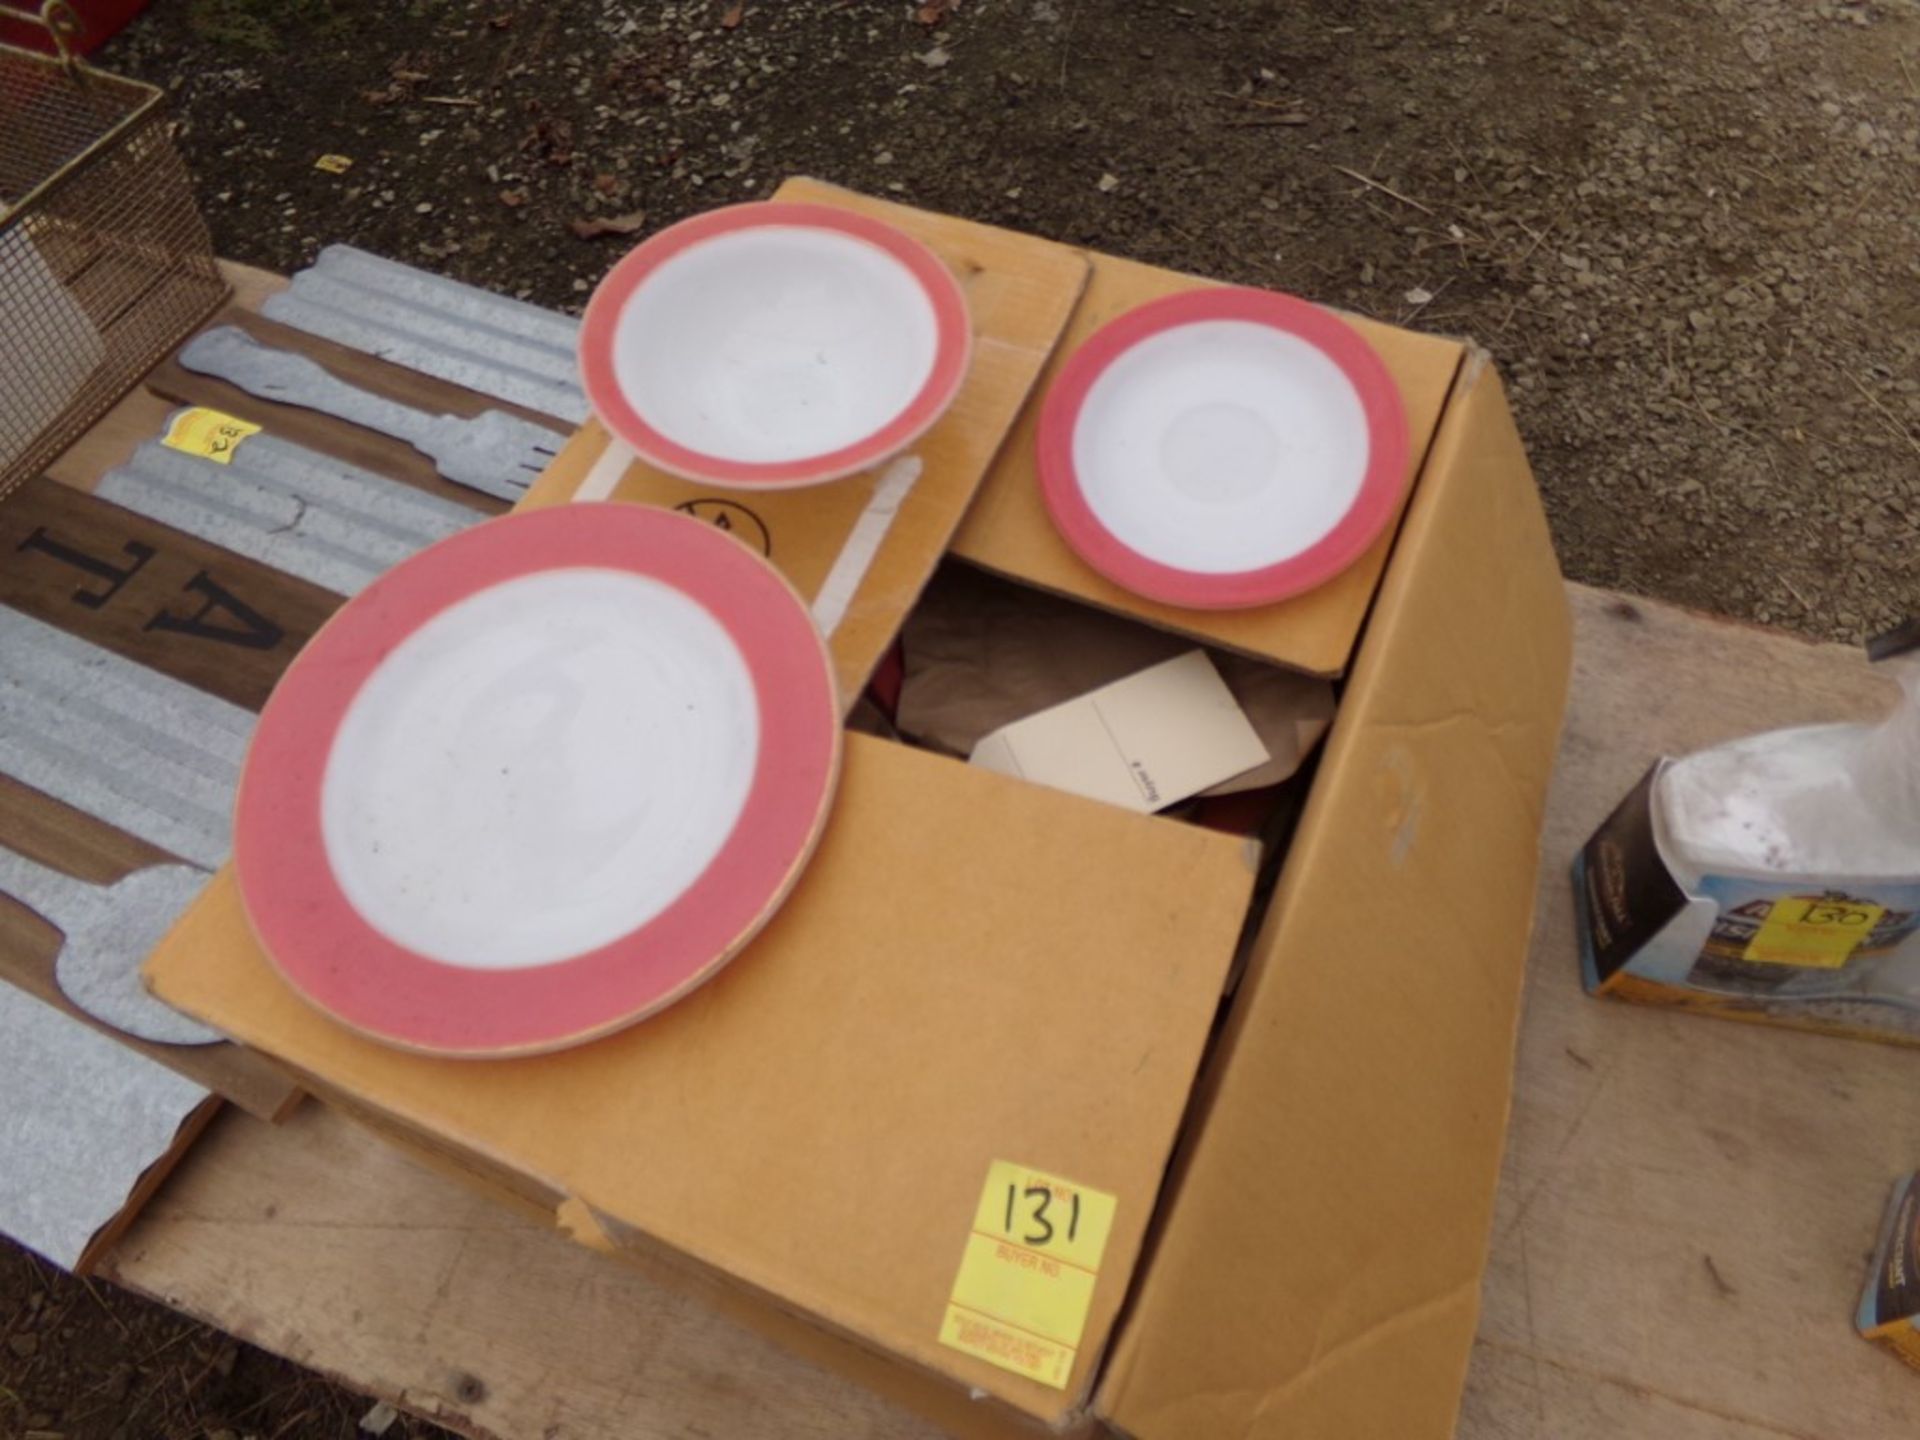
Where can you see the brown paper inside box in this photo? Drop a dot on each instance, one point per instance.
(974, 970)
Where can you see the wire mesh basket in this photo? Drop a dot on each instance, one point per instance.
(105, 263)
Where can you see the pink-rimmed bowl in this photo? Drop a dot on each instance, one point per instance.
(774, 345)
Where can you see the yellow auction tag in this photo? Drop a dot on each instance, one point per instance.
(207, 433)
(1026, 1277)
(1817, 931)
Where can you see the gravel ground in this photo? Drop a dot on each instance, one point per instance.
(1690, 232)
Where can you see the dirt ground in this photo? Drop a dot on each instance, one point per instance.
(1689, 232)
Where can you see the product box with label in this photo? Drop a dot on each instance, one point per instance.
(1020, 1110)
(1808, 953)
(1890, 1307)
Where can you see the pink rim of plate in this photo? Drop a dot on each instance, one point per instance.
(1373, 507)
(952, 346)
(329, 953)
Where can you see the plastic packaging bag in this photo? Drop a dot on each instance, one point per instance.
(1809, 841)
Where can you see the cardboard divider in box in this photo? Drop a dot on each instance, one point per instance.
(859, 550)
(971, 970)
(974, 970)
(1008, 529)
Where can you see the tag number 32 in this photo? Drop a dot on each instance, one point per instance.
(1043, 1231)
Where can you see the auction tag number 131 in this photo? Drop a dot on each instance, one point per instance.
(1027, 1274)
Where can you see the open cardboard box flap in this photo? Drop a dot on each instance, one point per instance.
(971, 969)
(1316, 1272)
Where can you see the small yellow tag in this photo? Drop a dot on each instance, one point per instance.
(334, 164)
(1818, 932)
(207, 433)
(1027, 1275)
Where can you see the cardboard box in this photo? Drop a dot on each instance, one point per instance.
(1890, 1306)
(991, 1010)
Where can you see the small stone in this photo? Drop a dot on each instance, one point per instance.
(1419, 295)
(379, 1419)
(937, 58)
(580, 287)
(425, 207)
(1108, 183)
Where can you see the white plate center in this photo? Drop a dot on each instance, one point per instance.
(776, 343)
(540, 769)
(1221, 446)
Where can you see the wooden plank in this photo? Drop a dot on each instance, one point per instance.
(1642, 1144)
(140, 414)
(40, 582)
(1516, 1396)
(318, 1240)
(43, 829)
(1645, 1144)
(369, 450)
(161, 598)
(156, 1175)
(252, 285)
(174, 604)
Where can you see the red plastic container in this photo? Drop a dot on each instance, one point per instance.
(100, 21)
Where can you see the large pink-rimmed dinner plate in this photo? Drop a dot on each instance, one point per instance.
(1223, 448)
(774, 344)
(538, 781)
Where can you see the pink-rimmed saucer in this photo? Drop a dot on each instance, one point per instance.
(1223, 448)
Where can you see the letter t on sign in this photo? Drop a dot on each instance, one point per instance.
(101, 569)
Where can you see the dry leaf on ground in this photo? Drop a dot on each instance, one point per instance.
(587, 227)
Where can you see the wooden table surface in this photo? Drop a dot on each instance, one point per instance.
(1682, 1232)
